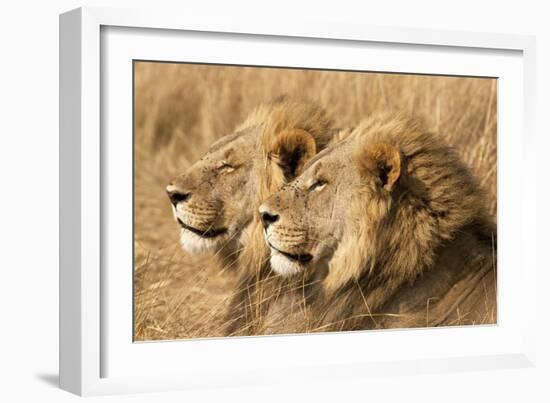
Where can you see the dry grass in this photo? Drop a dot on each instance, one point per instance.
(181, 109)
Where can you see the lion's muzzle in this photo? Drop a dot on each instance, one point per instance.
(176, 195)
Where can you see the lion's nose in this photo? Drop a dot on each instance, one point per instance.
(268, 217)
(176, 195)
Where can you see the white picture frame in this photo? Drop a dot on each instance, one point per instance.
(96, 355)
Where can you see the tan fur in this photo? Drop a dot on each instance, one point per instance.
(385, 157)
(290, 150)
(267, 150)
(240, 169)
(265, 303)
(400, 224)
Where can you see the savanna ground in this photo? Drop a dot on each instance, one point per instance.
(181, 109)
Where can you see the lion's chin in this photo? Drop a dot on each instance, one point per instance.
(283, 266)
(195, 244)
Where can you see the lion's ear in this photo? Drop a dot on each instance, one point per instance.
(384, 162)
(291, 149)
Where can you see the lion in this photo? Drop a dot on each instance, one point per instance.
(266, 303)
(392, 229)
(216, 199)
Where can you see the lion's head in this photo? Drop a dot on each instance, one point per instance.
(377, 205)
(215, 199)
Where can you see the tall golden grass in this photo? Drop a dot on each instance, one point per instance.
(181, 109)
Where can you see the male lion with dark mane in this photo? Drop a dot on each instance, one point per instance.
(391, 228)
(216, 199)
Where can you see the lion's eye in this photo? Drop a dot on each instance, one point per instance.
(225, 167)
(318, 185)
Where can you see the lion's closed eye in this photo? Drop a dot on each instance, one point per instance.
(225, 167)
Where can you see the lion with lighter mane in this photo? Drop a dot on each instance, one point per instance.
(215, 201)
(393, 226)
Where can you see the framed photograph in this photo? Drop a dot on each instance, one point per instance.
(237, 197)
